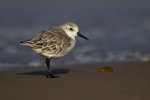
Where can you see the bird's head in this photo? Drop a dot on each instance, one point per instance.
(72, 30)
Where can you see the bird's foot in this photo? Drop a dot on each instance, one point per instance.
(52, 76)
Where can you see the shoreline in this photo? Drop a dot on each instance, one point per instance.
(128, 81)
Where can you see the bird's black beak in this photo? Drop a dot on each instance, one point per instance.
(79, 34)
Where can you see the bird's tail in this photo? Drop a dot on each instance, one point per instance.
(27, 43)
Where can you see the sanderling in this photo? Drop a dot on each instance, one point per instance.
(54, 42)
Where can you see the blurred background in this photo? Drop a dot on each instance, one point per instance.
(119, 30)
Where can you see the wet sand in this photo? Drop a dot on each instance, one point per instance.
(128, 81)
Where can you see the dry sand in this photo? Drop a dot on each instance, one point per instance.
(128, 81)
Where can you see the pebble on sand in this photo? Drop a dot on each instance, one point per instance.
(145, 59)
(106, 69)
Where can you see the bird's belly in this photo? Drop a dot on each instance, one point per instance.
(65, 52)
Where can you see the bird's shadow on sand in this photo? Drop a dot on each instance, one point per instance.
(45, 72)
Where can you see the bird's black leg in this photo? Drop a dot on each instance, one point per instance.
(47, 61)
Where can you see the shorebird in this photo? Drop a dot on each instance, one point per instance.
(54, 42)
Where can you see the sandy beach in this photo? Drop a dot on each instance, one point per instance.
(128, 81)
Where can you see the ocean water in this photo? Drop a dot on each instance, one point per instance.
(117, 31)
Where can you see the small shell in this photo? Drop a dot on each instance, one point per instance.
(145, 59)
(106, 69)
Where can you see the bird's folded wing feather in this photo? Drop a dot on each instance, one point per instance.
(51, 42)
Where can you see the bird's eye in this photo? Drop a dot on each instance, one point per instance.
(71, 29)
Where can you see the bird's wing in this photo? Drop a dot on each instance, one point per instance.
(31, 42)
(52, 42)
